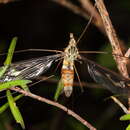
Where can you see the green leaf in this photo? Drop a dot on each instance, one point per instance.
(9, 56)
(59, 89)
(13, 83)
(128, 127)
(10, 51)
(14, 109)
(125, 117)
(5, 106)
(3, 70)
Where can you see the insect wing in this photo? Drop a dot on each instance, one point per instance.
(109, 79)
(29, 69)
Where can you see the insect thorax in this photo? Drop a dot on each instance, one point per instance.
(71, 51)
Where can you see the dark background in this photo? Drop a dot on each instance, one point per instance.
(45, 24)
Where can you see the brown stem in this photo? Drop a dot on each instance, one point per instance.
(91, 10)
(76, 84)
(72, 7)
(56, 104)
(6, 1)
(111, 33)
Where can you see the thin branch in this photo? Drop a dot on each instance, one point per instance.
(56, 104)
(120, 104)
(6, 1)
(116, 47)
(72, 7)
(111, 33)
(76, 84)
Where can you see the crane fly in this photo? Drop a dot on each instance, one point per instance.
(32, 68)
(71, 54)
(107, 78)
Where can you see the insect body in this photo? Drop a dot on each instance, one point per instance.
(30, 69)
(70, 55)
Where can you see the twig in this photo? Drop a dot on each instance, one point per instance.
(68, 111)
(120, 104)
(76, 84)
(6, 1)
(89, 8)
(72, 7)
(113, 40)
(112, 37)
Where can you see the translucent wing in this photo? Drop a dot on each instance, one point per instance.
(109, 79)
(29, 69)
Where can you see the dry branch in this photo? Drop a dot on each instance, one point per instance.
(6, 1)
(90, 9)
(72, 7)
(56, 104)
(120, 104)
(116, 47)
(111, 33)
(76, 84)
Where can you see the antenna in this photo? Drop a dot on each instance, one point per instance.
(86, 27)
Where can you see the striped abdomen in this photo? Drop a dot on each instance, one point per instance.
(67, 77)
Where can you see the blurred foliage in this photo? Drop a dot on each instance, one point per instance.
(106, 59)
(128, 127)
(125, 117)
